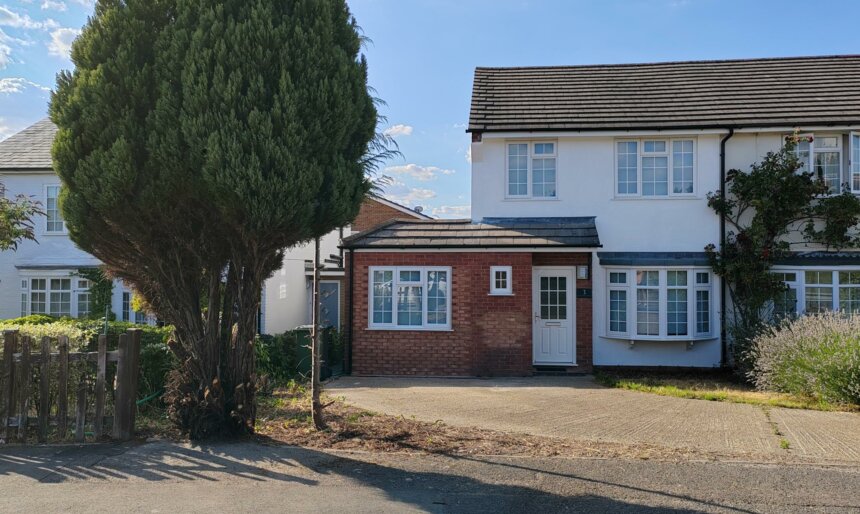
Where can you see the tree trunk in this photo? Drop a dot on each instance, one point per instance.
(316, 334)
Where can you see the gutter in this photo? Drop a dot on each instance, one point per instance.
(723, 317)
(347, 367)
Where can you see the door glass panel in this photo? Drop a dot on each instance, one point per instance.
(553, 298)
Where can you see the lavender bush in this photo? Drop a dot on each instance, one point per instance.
(816, 356)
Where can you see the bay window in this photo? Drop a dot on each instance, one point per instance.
(531, 170)
(655, 167)
(410, 298)
(813, 291)
(657, 304)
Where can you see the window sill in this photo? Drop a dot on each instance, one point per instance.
(501, 294)
(55, 233)
(411, 329)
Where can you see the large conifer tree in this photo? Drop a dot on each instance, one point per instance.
(196, 141)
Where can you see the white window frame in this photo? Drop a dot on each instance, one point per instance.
(692, 287)
(800, 285)
(810, 164)
(668, 153)
(530, 157)
(504, 291)
(854, 161)
(47, 231)
(625, 287)
(396, 283)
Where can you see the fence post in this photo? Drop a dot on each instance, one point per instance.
(100, 387)
(63, 388)
(44, 390)
(10, 346)
(81, 411)
(127, 372)
(24, 390)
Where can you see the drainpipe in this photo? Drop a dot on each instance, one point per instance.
(347, 369)
(723, 338)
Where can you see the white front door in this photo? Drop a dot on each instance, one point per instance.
(554, 306)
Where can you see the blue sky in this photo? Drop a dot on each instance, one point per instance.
(423, 54)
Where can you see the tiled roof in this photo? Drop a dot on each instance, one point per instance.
(29, 149)
(785, 92)
(490, 233)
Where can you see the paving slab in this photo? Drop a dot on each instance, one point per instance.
(578, 408)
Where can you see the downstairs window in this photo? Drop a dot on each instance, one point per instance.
(410, 298)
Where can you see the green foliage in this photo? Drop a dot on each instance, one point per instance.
(285, 357)
(198, 140)
(16, 220)
(32, 319)
(101, 293)
(813, 356)
(769, 208)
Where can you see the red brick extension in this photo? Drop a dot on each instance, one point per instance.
(490, 336)
(373, 213)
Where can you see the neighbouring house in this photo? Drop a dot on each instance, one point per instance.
(287, 295)
(590, 218)
(44, 277)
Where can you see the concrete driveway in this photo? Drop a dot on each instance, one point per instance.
(578, 408)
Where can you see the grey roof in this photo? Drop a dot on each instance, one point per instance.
(697, 95)
(29, 149)
(821, 258)
(653, 258)
(490, 233)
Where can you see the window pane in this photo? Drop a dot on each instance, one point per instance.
(647, 312)
(544, 148)
(627, 167)
(819, 277)
(676, 278)
(647, 278)
(703, 278)
(126, 306)
(654, 146)
(855, 162)
(827, 168)
(655, 176)
(84, 305)
(38, 305)
(409, 305)
(849, 277)
(676, 312)
(518, 170)
(410, 276)
(382, 296)
(543, 177)
(849, 299)
(501, 279)
(682, 167)
(617, 311)
(617, 278)
(703, 312)
(52, 211)
(827, 142)
(819, 299)
(553, 295)
(803, 151)
(785, 304)
(437, 297)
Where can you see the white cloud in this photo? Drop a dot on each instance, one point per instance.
(10, 18)
(416, 171)
(5, 50)
(452, 211)
(409, 196)
(469, 154)
(53, 5)
(459, 126)
(61, 41)
(85, 3)
(398, 130)
(18, 85)
(5, 130)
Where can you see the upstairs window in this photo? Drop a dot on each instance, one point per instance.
(655, 167)
(54, 223)
(821, 155)
(854, 162)
(531, 170)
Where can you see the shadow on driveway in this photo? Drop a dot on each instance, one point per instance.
(424, 483)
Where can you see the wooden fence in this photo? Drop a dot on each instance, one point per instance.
(21, 359)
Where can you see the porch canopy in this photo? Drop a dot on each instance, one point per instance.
(403, 234)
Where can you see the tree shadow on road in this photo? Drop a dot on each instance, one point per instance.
(487, 487)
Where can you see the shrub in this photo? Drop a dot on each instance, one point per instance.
(284, 357)
(816, 356)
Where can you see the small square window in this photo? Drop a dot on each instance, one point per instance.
(654, 146)
(702, 278)
(544, 148)
(410, 276)
(617, 277)
(501, 280)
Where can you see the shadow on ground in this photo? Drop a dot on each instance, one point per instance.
(441, 488)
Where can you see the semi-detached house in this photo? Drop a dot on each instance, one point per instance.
(590, 218)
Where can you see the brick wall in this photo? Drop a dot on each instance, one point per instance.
(373, 213)
(490, 336)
